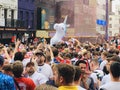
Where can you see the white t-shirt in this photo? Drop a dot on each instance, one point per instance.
(95, 75)
(38, 78)
(103, 64)
(111, 86)
(45, 70)
(25, 61)
(81, 88)
(105, 79)
(74, 60)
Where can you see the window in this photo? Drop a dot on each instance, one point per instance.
(27, 19)
(110, 33)
(27, 14)
(32, 21)
(12, 14)
(119, 12)
(119, 29)
(5, 13)
(86, 2)
(12, 18)
(102, 29)
(104, 6)
(32, 0)
(21, 15)
(110, 19)
(110, 25)
(5, 16)
(104, 17)
(32, 14)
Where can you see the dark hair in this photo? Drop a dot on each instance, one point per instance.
(78, 73)
(18, 56)
(114, 58)
(80, 61)
(113, 51)
(1, 60)
(105, 70)
(75, 54)
(117, 51)
(96, 53)
(55, 52)
(7, 67)
(67, 55)
(39, 53)
(115, 69)
(79, 56)
(66, 71)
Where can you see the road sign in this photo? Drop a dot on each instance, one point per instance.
(101, 22)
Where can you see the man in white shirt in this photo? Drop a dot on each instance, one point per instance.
(104, 62)
(96, 74)
(114, 84)
(106, 78)
(42, 67)
(38, 78)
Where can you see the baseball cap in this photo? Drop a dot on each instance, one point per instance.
(39, 53)
(1, 60)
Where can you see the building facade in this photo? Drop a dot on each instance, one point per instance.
(85, 18)
(114, 18)
(26, 13)
(16, 19)
(8, 12)
(81, 15)
(44, 14)
(8, 19)
(101, 16)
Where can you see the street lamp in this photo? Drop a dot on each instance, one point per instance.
(107, 16)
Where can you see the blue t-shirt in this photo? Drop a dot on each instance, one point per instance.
(6, 82)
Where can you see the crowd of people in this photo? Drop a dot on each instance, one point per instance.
(67, 65)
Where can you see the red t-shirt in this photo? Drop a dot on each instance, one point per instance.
(25, 83)
(59, 59)
(67, 61)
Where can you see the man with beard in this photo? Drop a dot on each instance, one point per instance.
(38, 78)
(22, 83)
(42, 67)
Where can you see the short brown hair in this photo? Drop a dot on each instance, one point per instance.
(30, 64)
(66, 71)
(114, 58)
(45, 87)
(17, 69)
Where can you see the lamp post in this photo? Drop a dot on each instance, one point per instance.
(107, 16)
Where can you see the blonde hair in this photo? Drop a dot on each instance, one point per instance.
(45, 87)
